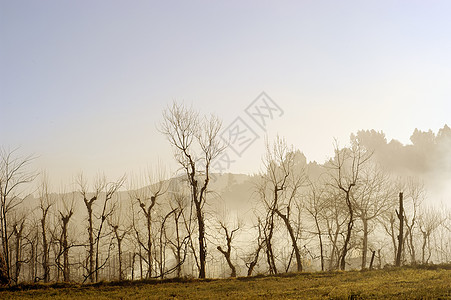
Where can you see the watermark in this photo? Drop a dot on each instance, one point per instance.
(263, 110)
(222, 163)
(240, 135)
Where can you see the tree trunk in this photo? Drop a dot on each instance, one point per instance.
(228, 259)
(45, 250)
(66, 268)
(410, 241)
(401, 230)
(268, 238)
(18, 249)
(379, 258)
(253, 263)
(392, 235)
(372, 260)
(364, 242)
(348, 232)
(179, 246)
(133, 265)
(31, 266)
(293, 240)
(202, 246)
(149, 246)
(140, 264)
(423, 256)
(5, 241)
(269, 251)
(91, 244)
(119, 250)
(334, 252)
(320, 242)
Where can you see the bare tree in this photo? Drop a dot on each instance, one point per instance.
(372, 197)
(119, 233)
(45, 203)
(155, 186)
(400, 214)
(188, 133)
(32, 239)
(284, 208)
(89, 201)
(429, 220)
(14, 175)
(415, 192)
(178, 243)
(252, 261)
(106, 190)
(228, 227)
(388, 222)
(66, 213)
(139, 243)
(60, 234)
(18, 227)
(347, 164)
(314, 207)
(335, 217)
(279, 190)
(228, 251)
(268, 225)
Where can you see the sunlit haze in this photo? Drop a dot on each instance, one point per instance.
(83, 83)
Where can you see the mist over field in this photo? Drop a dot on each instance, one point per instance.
(149, 142)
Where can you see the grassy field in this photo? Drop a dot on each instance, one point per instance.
(406, 283)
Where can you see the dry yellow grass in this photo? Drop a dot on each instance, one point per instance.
(395, 284)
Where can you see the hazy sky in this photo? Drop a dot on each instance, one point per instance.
(83, 83)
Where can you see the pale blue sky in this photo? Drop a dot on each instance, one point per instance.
(83, 83)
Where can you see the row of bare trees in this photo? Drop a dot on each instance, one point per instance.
(345, 213)
(350, 204)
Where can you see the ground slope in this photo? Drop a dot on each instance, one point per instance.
(394, 284)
